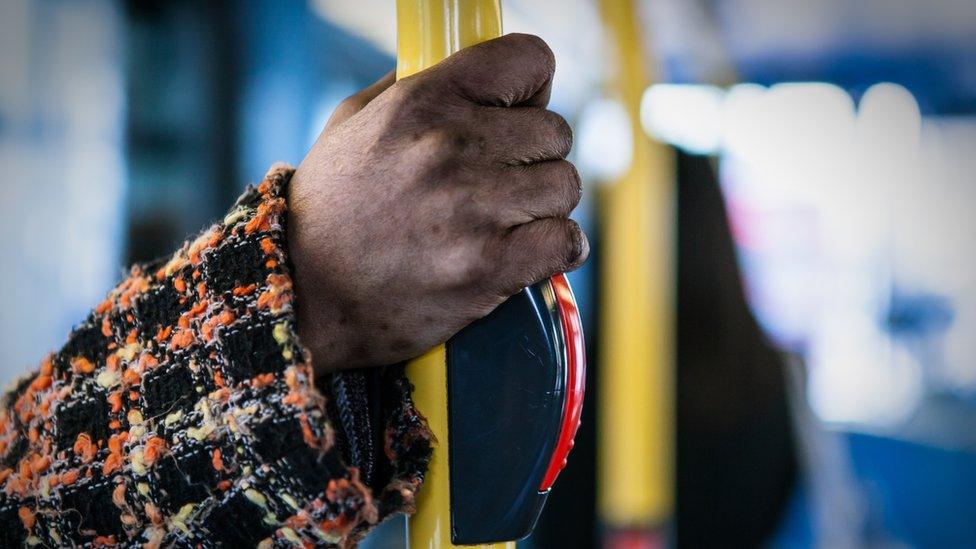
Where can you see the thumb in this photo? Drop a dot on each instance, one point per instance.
(355, 102)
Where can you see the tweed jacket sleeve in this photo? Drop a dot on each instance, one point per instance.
(183, 412)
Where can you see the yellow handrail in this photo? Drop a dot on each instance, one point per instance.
(635, 383)
(427, 32)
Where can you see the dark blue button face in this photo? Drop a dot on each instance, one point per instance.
(506, 383)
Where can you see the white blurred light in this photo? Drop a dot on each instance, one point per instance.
(934, 245)
(804, 147)
(605, 141)
(811, 121)
(856, 376)
(889, 126)
(888, 114)
(799, 138)
(822, 111)
(786, 129)
(689, 116)
(742, 128)
(888, 136)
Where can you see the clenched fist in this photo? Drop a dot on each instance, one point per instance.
(427, 202)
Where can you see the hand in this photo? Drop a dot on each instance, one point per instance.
(427, 202)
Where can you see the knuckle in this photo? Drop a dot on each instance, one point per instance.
(342, 111)
(473, 208)
(562, 134)
(439, 139)
(556, 191)
(573, 186)
(413, 90)
(353, 103)
(538, 48)
(448, 140)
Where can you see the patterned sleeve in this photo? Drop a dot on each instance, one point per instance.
(183, 412)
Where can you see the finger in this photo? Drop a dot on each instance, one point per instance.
(355, 102)
(515, 69)
(521, 136)
(540, 249)
(537, 191)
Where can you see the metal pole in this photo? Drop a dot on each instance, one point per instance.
(427, 32)
(636, 374)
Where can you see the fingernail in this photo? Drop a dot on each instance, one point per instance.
(581, 247)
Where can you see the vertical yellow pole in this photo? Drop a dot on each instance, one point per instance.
(636, 403)
(427, 32)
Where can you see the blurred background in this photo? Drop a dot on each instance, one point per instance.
(821, 154)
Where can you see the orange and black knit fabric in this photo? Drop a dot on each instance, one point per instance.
(183, 412)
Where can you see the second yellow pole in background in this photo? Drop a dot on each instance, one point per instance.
(636, 372)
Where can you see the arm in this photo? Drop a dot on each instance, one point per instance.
(185, 410)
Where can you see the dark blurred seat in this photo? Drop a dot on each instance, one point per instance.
(736, 454)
